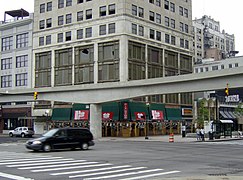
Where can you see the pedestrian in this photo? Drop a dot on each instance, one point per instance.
(202, 134)
(198, 134)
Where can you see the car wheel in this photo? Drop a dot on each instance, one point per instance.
(11, 134)
(47, 147)
(22, 135)
(84, 146)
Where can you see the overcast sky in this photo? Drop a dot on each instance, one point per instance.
(225, 11)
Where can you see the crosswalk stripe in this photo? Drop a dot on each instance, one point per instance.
(18, 161)
(151, 175)
(75, 167)
(31, 163)
(58, 165)
(13, 177)
(107, 172)
(60, 161)
(124, 174)
(90, 170)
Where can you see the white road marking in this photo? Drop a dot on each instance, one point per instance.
(13, 177)
(60, 161)
(21, 161)
(90, 170)
(124, 174)
(75, 167)
(151, 175)
(106, 172)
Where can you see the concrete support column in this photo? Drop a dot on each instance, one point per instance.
(96, 66)
(123, 55)
(96, 120)
(52, 68)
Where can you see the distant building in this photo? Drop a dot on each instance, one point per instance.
(210, 42)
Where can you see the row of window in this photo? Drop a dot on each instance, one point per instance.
(80, 34)
(22, 41)
(20, 80)
(104, 11)
(215, 68)
(156, 17)
(21, 61)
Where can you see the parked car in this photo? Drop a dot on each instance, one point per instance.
(22, 131)
(62, 138)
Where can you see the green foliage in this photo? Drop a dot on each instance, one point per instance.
(203, 112)
(239, 108)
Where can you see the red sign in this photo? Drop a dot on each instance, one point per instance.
(81, 115)
(107, 116)
(157, 115)
(140, 115)
(125, 107)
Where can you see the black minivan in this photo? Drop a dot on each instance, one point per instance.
(62, 138)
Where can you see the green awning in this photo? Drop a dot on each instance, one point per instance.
(173, 114)
(157, 107)
(61, 114)
(111, 107)
(138, 107)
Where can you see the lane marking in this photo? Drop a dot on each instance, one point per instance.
(14, 177)
(22, 161)
(90, 170)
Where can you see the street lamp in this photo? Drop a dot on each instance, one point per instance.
(147, 118)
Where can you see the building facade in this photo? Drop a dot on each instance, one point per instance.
(210, 41)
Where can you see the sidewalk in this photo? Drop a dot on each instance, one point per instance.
(166, 138)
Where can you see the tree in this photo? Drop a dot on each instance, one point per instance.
(203, 112)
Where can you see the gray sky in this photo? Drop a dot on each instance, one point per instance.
(225, 11)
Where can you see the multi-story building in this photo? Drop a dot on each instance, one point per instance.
(16, 64)
(210, 42)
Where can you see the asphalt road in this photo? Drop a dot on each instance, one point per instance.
(146, 160)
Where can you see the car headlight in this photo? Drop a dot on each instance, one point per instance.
(36, 142)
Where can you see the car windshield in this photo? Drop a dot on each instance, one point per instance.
(50, 133)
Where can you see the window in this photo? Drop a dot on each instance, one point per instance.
(111, 28)
(186, 44)
(21, 61)
(41, 41)
(140, 12)
(167, 38)
(48, 39)
(60, 20)
(181, 27)
(230, 65)
(80, 16)
(102, 29)
(172, 23)
(236, 65)
(166, 5)
(7, 43)
(88, 32)
(80, 1)
(158, 36)
(80, 34)
(89, 14)
(6, 81)
(167, 21)
(68, 3)
(42, 24)
(48, 23)
(151, 34)
(6, 63)
(222, 66)
(214, 68)
(206, 69)
(134, 28)
(186, 12)
(180, 10)
(158, 18)
(60, 37)
(42, 8)
(112, 9)
(22, 40)
(151, 1)
(49, 6)
(186, 28)
(172, 7)
(151, 15)
(21, 79)
(102, 11)
(134, 10)
(141, 31)
(182, 43)
(60, 4)
(68, 18)
(158, 3)
(173, 40)
(68, 36)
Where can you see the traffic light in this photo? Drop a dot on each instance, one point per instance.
(35, 95)
(226, 91)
